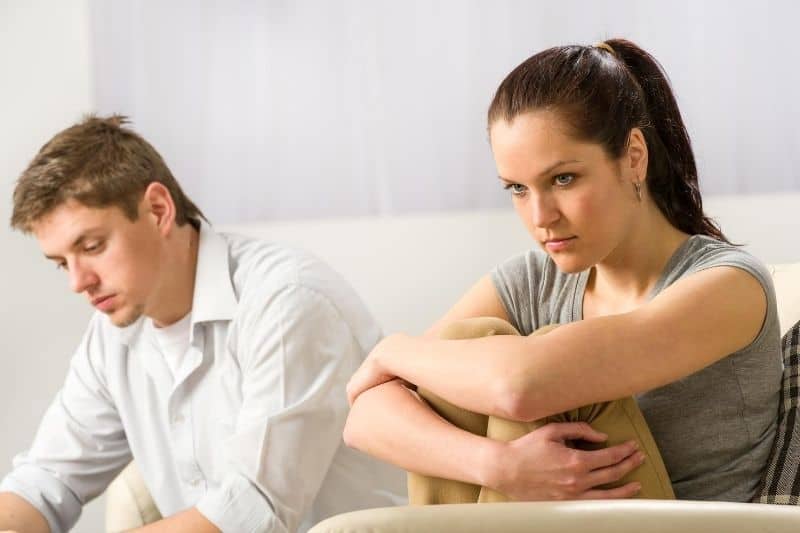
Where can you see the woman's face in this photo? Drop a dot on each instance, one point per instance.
(575, 201)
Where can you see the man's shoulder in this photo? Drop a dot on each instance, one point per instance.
(260, 268)
(259, 265)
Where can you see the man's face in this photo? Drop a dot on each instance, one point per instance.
(107, 257)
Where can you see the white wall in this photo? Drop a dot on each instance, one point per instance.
(44, 85)
(273, 110)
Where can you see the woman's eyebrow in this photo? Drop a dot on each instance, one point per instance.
(557, 164)
(548, 170)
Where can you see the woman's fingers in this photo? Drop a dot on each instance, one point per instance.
(615, 472)
(610, 456)
(626, 491)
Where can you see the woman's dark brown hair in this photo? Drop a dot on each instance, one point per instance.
(603, 95)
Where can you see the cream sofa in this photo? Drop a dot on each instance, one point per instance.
(409, 269)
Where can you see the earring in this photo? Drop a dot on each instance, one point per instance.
(637, 185)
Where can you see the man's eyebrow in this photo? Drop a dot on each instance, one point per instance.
(76, 243)
(549, 169)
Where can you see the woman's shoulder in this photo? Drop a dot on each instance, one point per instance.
(700, 252)
(534, 291)
(533, 266)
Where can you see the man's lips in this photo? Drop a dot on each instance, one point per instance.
(102, 302)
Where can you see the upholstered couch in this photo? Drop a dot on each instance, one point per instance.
(409, 269)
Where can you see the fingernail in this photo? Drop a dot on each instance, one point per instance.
(635, 445)
(640, 457)
(637, 487)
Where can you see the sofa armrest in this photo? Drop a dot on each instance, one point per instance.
(626, 516)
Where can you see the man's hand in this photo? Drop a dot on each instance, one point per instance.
(540, 466)
(371, 372)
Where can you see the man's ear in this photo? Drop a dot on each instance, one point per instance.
(157, 203)
(636, 161)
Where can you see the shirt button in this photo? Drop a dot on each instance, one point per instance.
(177, 419)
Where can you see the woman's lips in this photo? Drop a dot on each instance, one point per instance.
(557, 245)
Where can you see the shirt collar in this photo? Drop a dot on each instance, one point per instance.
(214, 297)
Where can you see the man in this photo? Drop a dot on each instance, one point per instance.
(218, 362)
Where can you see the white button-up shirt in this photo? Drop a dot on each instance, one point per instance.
(249, 428)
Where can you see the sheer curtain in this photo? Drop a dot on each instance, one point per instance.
(285, 109)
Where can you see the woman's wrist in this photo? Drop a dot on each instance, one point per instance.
(396, 344)
(490, 462)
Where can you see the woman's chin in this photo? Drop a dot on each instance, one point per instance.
(570, 264)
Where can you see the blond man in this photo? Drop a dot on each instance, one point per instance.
(217, 362)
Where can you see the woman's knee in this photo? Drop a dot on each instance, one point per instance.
(470, 328)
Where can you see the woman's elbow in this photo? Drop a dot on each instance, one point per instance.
(353, 432)
(360, 425)
(513, 401)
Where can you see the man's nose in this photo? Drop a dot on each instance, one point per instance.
(81, 277)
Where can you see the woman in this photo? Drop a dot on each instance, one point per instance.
(652, 300)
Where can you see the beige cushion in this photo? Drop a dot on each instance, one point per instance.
(128, 502)
(626, 516)
(787, 289)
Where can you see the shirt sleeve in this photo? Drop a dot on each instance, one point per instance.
(79, 447)
(297, 353)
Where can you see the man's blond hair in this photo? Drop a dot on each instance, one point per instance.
(98, 163)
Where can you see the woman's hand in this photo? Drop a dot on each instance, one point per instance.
(540, 465)
(372, 371)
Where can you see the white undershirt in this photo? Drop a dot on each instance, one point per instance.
(172, 341)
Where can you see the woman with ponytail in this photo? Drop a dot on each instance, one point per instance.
(660, 369)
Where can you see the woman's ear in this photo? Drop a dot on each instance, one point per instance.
(636, 161)
(157, 203)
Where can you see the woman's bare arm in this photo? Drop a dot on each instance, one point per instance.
(391, 422)
(385, 420)
(689, 326)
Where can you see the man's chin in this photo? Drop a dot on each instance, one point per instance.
(123, 319)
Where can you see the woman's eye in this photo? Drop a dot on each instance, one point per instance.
(562, 180)
(516, 189)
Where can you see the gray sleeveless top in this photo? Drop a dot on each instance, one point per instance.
(715, 427)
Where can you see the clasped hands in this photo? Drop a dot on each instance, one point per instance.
(542, 465)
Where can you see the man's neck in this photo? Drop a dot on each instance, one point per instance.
(176, 289)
